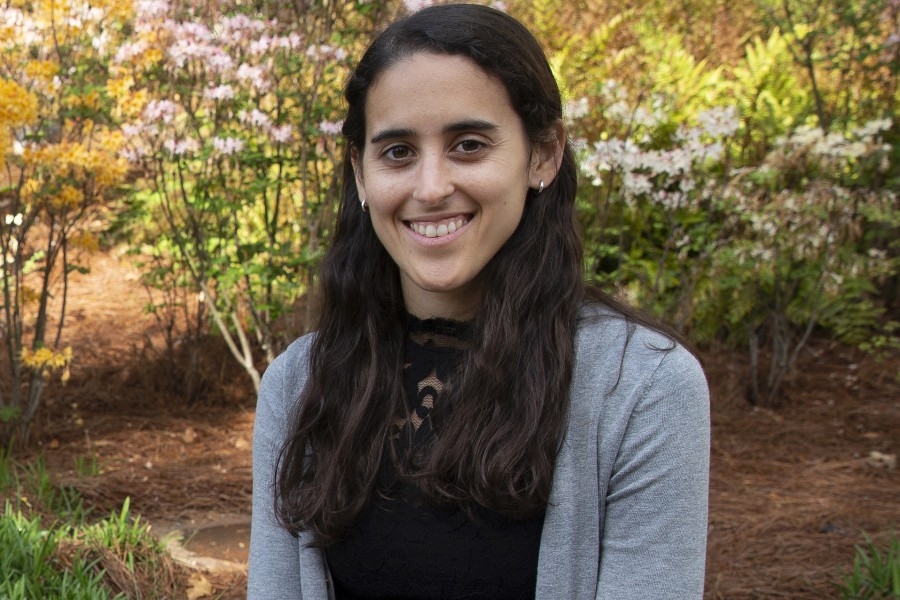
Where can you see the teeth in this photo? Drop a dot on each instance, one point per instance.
(441, 230)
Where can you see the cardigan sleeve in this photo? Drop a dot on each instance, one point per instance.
(273, 571)
(654, 537)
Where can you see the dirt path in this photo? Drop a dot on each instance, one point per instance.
(793, 489)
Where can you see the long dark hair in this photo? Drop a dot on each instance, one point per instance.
(499, 422)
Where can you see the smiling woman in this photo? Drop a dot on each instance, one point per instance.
(445, 174)
(469, 420)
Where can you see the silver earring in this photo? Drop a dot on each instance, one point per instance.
(541, 187)
(362, 204)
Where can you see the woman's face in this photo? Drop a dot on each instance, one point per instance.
(444, 171)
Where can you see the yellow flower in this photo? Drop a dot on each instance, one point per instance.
(131, 105)
(118, 87)
(18, 106)
(41, 70)
(150, 58)
(46, 360)
(67, 197)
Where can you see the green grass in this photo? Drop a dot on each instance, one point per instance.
(32, 566)
(876, 572)
(52, 550)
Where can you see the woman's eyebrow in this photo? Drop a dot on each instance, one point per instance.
(388, 134)
(465, 125)
(470, 125)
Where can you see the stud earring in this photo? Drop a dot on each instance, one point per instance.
(541, 187)
(362, 204)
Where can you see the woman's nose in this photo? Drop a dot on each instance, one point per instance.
(432, 180)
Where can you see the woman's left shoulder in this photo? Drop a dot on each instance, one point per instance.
(609, 340)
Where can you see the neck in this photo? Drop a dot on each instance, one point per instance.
(458, 305)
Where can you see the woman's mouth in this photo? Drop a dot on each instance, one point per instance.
(436, 229)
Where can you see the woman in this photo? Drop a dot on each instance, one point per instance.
(469, 421)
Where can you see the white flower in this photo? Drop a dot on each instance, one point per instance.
(228, 145)
(576, 109)
(873, 128)
(152, 9)
(331, 127)
(162, 111)
(414, 5)
(181, 147)
(720, 121)
(637, 184)
(253, 74)
(219, 92)
(254, 117)
(282, 134)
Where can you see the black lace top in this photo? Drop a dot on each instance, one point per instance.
(402, 547)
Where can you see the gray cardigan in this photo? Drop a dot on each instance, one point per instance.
(628, 508)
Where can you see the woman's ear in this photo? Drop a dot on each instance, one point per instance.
(357, 173)
(546, 157)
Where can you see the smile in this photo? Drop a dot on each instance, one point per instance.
(433, 229)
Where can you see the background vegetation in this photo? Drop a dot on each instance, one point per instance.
(740, 169)
(739, 162)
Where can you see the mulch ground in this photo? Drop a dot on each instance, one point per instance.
(794, 487)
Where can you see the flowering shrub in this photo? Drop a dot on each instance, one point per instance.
(650, 206)
(760, 253)
(58, 153)
(801, 250)
(232, 121)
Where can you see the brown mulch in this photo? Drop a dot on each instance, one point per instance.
(793, 487)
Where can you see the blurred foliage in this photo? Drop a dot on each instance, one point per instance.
(740, 165)
(60, 170)
(233, 122)
(765, 231)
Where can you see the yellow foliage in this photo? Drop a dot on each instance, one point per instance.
(131, 105)
(47, 361)
(68, 197)
(42, 71)
(18, 106)
(28, 295)
(90, 101)
(118, 87)
(85, 240)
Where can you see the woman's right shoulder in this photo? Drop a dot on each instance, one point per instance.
(284, 379)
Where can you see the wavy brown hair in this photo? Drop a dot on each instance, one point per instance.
(499, 422)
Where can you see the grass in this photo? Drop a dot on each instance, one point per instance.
(876, 572)
(53, 550)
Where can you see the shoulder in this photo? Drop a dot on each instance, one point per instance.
(614, 351)
(284, 378)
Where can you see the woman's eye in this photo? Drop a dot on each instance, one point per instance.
(397, 153)
(470, 146)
